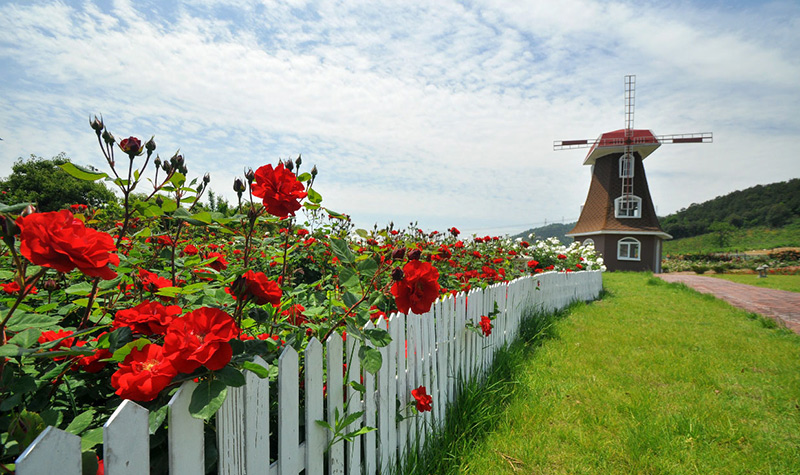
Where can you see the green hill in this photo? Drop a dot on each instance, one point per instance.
(770, 206)
(556, 230)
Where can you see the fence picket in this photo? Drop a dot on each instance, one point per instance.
(186, 444)
(122, 452)
(53, 451)
(433, 350)
(315, 434)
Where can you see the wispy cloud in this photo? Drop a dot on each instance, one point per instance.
(443, 112)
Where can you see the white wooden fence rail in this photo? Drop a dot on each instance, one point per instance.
(433, 350)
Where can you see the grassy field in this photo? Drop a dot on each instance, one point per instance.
(740, 240)
(780, 282)
(654, 378)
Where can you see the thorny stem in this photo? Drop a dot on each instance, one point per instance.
(355, 305)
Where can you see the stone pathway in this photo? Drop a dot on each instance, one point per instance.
(780, 305)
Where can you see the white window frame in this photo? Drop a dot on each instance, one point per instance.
(620, 213)
(631, 246)
(587, 241)
(626, 166)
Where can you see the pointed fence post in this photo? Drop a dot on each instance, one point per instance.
(54, 451)
(126, 437)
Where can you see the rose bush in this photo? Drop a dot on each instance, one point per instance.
(170, 290)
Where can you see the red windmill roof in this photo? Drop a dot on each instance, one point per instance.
(643, 141)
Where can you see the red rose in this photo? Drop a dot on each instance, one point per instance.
(279, 189)
(218, 265)
(200, 338)
(257, 286)
(59, 241)
(533, 264)
(151, 282)
(294, 315)
(418, 289)
(132, 146)
(423, 399)
(486, 325)
(561, 256)
(148, 318)
(143, 374)
(190, 250)
(65, 344)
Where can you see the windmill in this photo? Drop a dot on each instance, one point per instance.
(618, 215)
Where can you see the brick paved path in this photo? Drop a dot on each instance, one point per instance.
(777, 304)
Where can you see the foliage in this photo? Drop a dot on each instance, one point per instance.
(652, 379)
(552, 230)
(788, 282)
(739, 240)
(106, 306)
(771, 205)
(44, 183)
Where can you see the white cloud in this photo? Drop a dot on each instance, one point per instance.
(442, 110)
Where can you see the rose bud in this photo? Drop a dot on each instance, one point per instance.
(97, 125)
(150, 145)
(239, 287)
(206, 178)
(132, 146)
(30, 209)
(109, 139)
(50, 285)
(250, 175)
(157, 161)
(159, 201)
(289, 165)
(298, 161)
(398, 253)
(238, 186)
(397, 274)
(414, 254)
(314, 171)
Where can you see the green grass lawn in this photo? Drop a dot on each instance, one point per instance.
(780, 282)
(654, 378)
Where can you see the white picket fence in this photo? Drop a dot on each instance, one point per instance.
(433, 350)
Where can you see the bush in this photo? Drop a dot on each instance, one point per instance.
(699, 269)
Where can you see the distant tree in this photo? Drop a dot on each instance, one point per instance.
(41, 181)
(778, 214)
(722, 231)
(218, 203)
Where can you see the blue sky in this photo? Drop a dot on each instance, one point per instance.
(440, 112)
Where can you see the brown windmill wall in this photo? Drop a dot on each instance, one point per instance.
(597, 220)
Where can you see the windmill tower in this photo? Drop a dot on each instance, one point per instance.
(618, 215)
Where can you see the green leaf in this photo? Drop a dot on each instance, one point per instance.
(207, 398)
(157, 417)
(378, 337)
(89, 465)
(367, 268)
(350, 299)
(371, 359)
(256, 368)
(349, 279)
(9, 350)
(92, 438)
(230, 376)
(358, 386)
(168, 291)
(81, 422)
(341, 249)
(303, 177)
(26, 338)
(81, 173)
(81, 289)
(14, 209)
(352, 435)
(22, 321)
(121, 353)
(314, 197)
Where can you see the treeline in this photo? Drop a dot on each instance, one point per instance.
(556, 230)
(771, 205)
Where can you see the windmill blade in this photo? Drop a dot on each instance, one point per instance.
(570, 144)
(702, 137)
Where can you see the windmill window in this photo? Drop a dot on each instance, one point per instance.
(628, 207)
(628, 249)
(626, 166)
